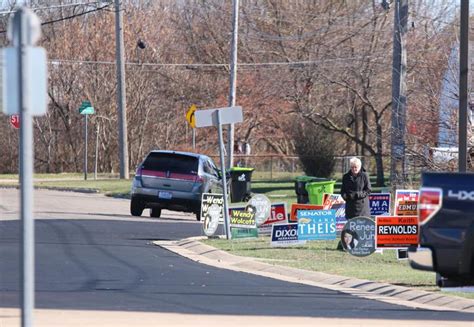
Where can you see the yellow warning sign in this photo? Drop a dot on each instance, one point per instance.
(190, 116)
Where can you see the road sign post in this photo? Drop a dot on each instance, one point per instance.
(218, 117)
(190, 117)
(24, 94)
(86, 109)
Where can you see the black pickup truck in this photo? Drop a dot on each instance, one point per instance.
(446, 217)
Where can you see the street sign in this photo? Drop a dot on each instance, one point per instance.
(228, 115)
(35, 80)
(15, 121)
(86, 108)
(218, 117)
(190, 117)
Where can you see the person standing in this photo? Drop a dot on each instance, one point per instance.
(355, 190)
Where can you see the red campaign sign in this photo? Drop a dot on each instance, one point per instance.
(300, 206)
(15, 121)
(277, 214)
(406, 202)
(396, 231)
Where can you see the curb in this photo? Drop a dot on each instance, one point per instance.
(56, 188)
(192, 249)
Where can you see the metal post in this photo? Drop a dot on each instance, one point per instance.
(224, 178)
(397, 167)
(194, 138)
(85, 146)
(96, 150)
(27, 265)
(271, 168)
(122, 107)
(463, 85)
(233, 78)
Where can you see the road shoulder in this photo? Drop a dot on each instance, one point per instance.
(193, 249)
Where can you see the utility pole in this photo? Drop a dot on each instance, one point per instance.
(463, 85)
(399, 100)
(233, 79)
(121, 103)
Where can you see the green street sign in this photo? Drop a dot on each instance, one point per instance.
(86, 111)
(86, 108)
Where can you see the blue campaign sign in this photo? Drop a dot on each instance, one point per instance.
(379, 204)
(341, 220)
(286, 234)
(317, 224)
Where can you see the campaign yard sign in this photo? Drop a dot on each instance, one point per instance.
(238, 233)
(358, 236)
(296, 207)
(379, 204)
(406, 202)
(285, 234)
(242, 219)
(212, 211)
(330, 199)
(396, 231)
(316, 224)
(341, 220)
(336, 202)
(277, 216)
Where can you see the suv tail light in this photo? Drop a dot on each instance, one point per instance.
(429, 203)
(138, 173)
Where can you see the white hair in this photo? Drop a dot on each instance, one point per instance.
(355, 161)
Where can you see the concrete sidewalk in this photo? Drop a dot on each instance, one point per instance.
(193, 249)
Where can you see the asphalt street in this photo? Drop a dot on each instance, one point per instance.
(93, 257)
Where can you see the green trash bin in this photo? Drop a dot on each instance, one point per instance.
(300, 187)
(317, 189)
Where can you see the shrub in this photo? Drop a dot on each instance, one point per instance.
(315, 147)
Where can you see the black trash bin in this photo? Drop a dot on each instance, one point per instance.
(240, 186)
(300, 187)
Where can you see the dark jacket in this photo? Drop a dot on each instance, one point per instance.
(355, 191)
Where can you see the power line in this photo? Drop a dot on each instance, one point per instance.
(70, 17)
(55, 7)
(274, 63)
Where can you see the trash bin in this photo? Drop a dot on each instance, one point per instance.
(300, 187)
(240, 185)
(317, 189)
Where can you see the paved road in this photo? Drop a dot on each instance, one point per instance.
(97, 266)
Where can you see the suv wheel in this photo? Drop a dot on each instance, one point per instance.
(136, 208)
(155, 212)
(442, 281)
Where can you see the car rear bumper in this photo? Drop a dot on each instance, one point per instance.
(421, 258)
(180, 201)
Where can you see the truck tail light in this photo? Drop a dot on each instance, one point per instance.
(430, 201)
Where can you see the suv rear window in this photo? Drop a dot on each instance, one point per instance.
(172, 162)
